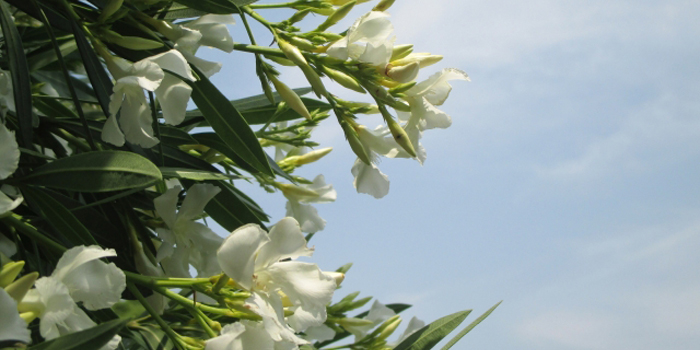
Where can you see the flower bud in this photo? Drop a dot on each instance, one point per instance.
(19, 288)
(9, 272)
(109, 10)
(337, 276)
(403, 74)
(336, 16)
(343, 79)
(280, 60)
(309, 157)
(292, 52)
(388, 327)
(383, 5)
(400, 135)
(315, 81)
(289, 96)
(299, 15)
(355, 143)
(296, 191)
(424, 59)
(353, 322)
(401, 51)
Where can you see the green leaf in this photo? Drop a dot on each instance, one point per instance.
(213, 140)
(40, 58)
(60, 218)
(21, 84)
(215, 6)
(228, 123)
(471, 326)
(90, 339)
(426, 337)
(175, 137)
(196, 175)
(99, 79)
(101, 171)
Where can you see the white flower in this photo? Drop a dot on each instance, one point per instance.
(246, 335)
(9, 160)
(7, 96)
(368, 178)
(430, 93)
(298, 198)
(136, 120)
(368, 40)
(208, 30)
(260, 263)
(79, 277)
(186, 241)
(12, 327)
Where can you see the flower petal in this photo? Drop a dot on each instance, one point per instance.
(306, 215)
(111, 132)
(286, 241)
(12, 327)
(175, 62)
(173, 95)
(8, 204)
(236, 255)
(166, 206)
(269, 307)
(369, 179)
(136, 121)
(229, 338)
(197, 197)
(436, 89)
(148, 74)
(9, 152)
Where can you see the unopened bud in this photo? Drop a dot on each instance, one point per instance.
(9, 272)
(401, 51)
(324, 11)
(388, 327)
(297, 191)
(291, 97)
(355, 143)
(383, 5)
(400, 135)
(280, 60)
(292, 52)
(299, 15)
(19, 288)
(343, 79)
(29, 316)
(315, 81)
(424, 59)
(107, 11)
(302, 43)
(354, 322)
(403, 74)
(310, 157)
(337, 276)
(336, 16)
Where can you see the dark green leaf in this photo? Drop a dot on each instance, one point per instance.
(471, 326)
(228, 123)
(276, 168)
(216, 6)
(60, 218)
(426, 337)
(213, 140)
(90, 339)
(101, 171)
(196, 175)
(398, 308)
(99, 79)
(175, 137)
(40, 58)
(21, 84)
(55, 18)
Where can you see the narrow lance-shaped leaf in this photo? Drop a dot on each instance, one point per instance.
(428, 336)
(228, 123)
(216, 6)
(99, 79)
(471, 326)
(101, 171)
(19, 70)
(90, 339)
(60, 218)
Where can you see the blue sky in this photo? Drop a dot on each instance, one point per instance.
(567, 185)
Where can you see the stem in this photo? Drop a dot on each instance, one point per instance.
(156, 282)
(163, 325)
(33, 233)
(276, 6)
(256, 17)
(259, 50)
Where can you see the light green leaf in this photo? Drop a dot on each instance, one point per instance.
(60, 218)
(196, 175)
(101, 171)
(228, 123)
(471, 326)
(90, 339)
(426, 337)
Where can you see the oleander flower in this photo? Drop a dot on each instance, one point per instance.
(263, 264)
(9, 160)
(79, 277)
(424, 96)
(368, 40)
(136, 122)
(12, 327)
(299, 197)
(246, 335)
(186, 241)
